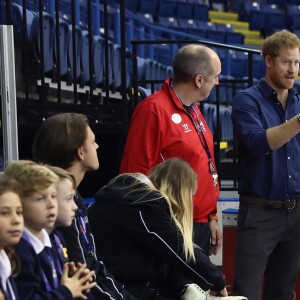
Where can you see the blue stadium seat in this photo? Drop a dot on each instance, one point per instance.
(170, 22)
(98, 58)
(78, 42)
(224, 27)
(186, 23)
(184, 10)
(166, 8)
(209, 115)
(292, 9)
(258, 67)
(132, 5)
(199, 32)
(2, 13)
(17, 18)
(266, 7)
(234, 38)
(109, 72)
(257, 20)
(276, 21)
(48, 38)
(216, 35)
(201, 12)
(238, 65)
(117, 67)
(84, 57)
(148, 6)
(63, 47)
(141, 67)
(143, 93)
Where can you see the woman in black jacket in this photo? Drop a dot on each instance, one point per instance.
(143, 230)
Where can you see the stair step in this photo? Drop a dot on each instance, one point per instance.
(249, 33)
(255, 41)
(229, 16)
(236, 24)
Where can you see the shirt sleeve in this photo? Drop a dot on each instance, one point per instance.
(248, 124)
(158, 232)
(30, 280)
(143, 143)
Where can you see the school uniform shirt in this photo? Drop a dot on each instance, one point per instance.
(79, 243)
(141, 244)
(38, 277)
(7, 282)
(160, 129)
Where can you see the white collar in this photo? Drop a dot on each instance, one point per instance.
(5, 268)
(37, 243)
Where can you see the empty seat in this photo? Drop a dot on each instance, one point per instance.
(98, 58)
(215, 35)
(48, 38)
(63, 47)
(186, 23)
(184, 10)
(168, 22)
(166, 8)
(257, 20)
(78, 41)
(17, 18)
(148, 6)
(116, 67)
(84, 57)
(201, 12)
(236, 38)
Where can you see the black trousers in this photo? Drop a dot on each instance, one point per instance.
(201, 236)
(268, 245)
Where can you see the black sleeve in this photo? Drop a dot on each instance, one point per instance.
(157, 231)
(30, 279)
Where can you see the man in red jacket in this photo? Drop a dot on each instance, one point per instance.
(169, 124)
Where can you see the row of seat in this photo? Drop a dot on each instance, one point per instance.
(66, 52)
(270, 17)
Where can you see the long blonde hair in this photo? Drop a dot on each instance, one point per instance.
(177, 181)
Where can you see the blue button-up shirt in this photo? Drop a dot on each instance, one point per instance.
(265, 173)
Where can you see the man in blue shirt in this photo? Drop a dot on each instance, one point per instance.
(266, 119)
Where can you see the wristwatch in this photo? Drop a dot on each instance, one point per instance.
(213, 217)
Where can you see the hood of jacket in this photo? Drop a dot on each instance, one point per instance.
(121, 189)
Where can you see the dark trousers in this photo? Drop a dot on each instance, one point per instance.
(201, 236)
(268, 244)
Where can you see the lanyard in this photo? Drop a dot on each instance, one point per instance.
(80, 217)
(200, 129)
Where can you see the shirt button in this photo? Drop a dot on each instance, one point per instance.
(289, 157)
(290, 176)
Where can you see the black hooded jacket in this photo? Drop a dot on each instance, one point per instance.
(139, 242)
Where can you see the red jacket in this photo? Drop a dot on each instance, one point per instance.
(160, 129)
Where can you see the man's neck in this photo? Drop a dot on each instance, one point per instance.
(183, 93)
(76, 171)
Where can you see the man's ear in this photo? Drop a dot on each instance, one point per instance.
(80, 153)
(198, 80)
(268, 61)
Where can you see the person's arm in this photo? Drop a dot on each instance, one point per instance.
(30, 279)
(279, 135)
(156, 231)
(144, 140)
(216, 237)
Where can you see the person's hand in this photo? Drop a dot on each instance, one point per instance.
(216, 237)
(1, 296)
(80, 282)
(222, 293)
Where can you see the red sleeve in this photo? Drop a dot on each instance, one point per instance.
(144, 140)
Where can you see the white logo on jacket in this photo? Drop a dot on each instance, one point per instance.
(186, 127)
